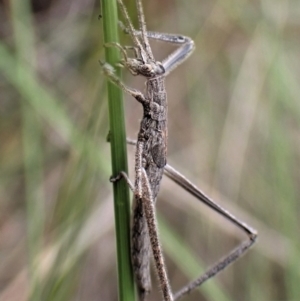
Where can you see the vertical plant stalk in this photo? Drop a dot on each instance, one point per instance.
(32, 145)
(118, 157)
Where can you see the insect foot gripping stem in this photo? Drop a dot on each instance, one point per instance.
(121, 175)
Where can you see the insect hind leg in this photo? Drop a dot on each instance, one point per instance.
(229, 258)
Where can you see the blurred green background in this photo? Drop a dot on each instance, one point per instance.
(234, 121)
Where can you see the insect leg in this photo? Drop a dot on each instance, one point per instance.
(175, 58)
(140, 245)
(123, 175)
(137, 187)
(110, 73)
(233, 255)
(125, 62)
(149, 209)
(120, 47)
(145, 227)
(182, 181)
(144, 52)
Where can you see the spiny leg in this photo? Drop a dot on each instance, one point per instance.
(140, 244)
(125, 62)
(187, 185)
(147, 200)
(110, 73)
(144, 197)
(175, 58)
(121, 48)
(145, 212)
(201, 196)
(233, 255)
(148, 203)
(143, 53)
(129, 23)
(143, 29)
(123, 175)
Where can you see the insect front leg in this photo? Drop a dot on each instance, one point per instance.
(109, 71)
(229, 258)
(125, 62)
(175, 58)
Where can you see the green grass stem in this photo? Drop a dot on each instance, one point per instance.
(118, 157)
(32, 145)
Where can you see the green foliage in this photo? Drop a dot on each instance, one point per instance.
(117, 137)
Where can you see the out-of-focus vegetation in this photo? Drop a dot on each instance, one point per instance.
(234, 124)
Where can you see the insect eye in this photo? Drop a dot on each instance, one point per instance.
(147, 67)
(162, 69)
(180, 39)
